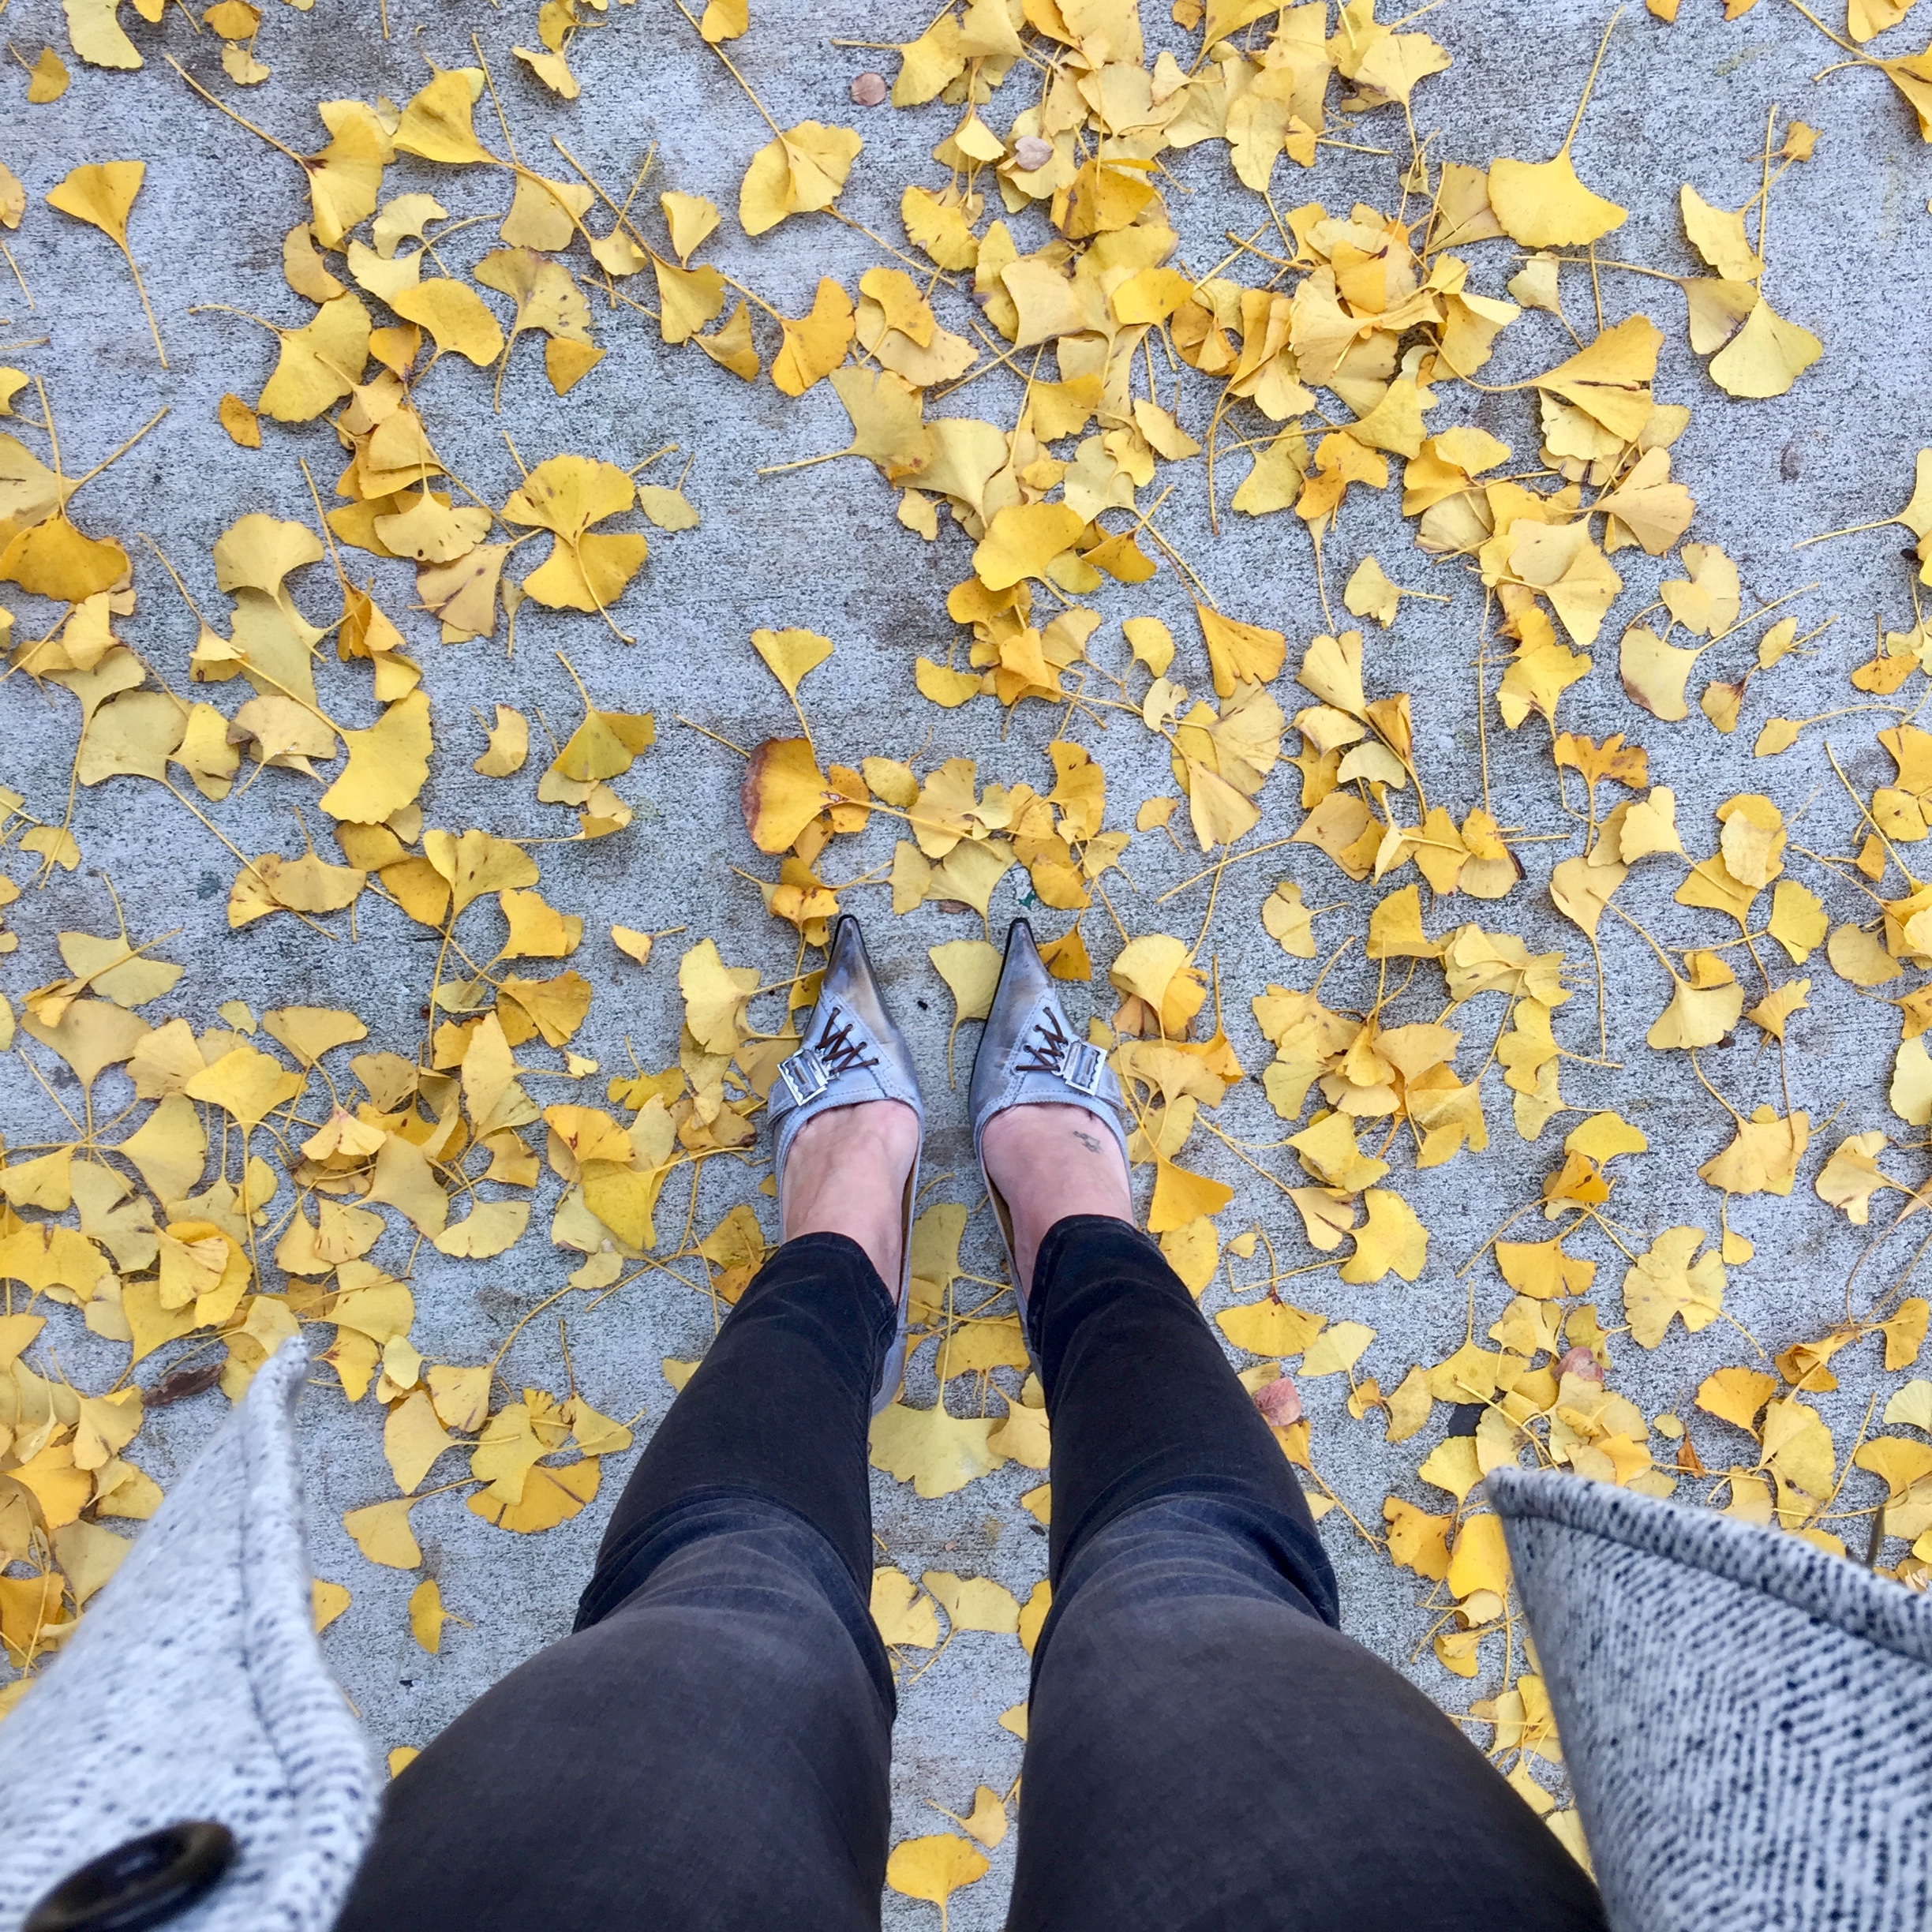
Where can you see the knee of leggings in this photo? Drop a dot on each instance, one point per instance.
(1251, 1546)
(1177, 1548)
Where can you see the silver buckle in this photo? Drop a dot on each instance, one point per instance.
(1083, 1067)
(804, 1077)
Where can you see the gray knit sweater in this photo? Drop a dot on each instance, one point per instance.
(195, 1689)
(1748, 1720)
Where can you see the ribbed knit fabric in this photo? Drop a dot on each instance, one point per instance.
(1747, 1719)
(195, 1689)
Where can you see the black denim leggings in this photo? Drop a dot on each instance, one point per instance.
(708, 1751)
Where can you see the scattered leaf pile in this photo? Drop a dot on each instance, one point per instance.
(204, 1193)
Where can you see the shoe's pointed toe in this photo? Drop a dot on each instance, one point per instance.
(851, 1052)
(1030, 1056)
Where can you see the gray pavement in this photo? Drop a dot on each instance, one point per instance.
(1850, 242)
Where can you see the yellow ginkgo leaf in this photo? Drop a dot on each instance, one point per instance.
(586, 571)
(52, 559)
(1798, 920)
(1339, 1347)
(986, 1821)
(544, 215)
(1707, 602)
(1766, 356)
(1269, 1327)
(109, 966)
(1666, 1283)
(1391, 1241)
(904, 1617)
(437, 123)
(935, 1451)
(1479, 1561)
(934, 1868)
(246, 1083)
(345, 179)
(46, 80)
(96, 33)
(1696, 1016)
(887, 414)
(538, 929)
(1288, 920)
(490, 1228)
(552, 69)
(427, 1615)
(476, 863)
(567, 494)
(243, 427)
(1158, 968)
(691, 219)
(784, 792)
(796, 173)
(1023, 1437)
(458, 320)
(815, 345)
(669, 509)
(102, 193)
(382, 1533)
(328, 1601)
(687, 298)
(974, 1603)
(789, 654)
(509, 744)
(550, 1495)
(1718, 235)
(1609, 379)
(1543, 205)
(413, 1438)
(1241, 654)
(732, 348)
(971, 968)
(1543, 1270)
(309, 1032)
(938, 224)
(1653, 673)
(388, 764)
(321, 363)
(1022, 540)
(1181, 1197)
(715, 995)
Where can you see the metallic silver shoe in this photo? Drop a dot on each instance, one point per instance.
(1029, 1056)
(852, 1052)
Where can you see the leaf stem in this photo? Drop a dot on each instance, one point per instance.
(140, 289)
(115, 455)
(260, 134)
(750, 92)
(1603, 46)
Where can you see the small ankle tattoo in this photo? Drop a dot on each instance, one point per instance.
(1087, 1141)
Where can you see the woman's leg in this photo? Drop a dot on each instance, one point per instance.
(710, 1748)
(1206, 1748)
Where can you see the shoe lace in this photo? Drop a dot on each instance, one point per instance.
(839, 1048)
(1047, 1053)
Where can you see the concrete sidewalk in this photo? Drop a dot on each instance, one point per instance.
(1850, 247)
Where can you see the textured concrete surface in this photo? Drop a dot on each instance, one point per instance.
(819, 548)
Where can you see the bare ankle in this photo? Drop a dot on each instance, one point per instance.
(1049, 1162)
(846, 1172)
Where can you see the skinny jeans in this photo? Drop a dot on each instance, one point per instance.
(709, 1751)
